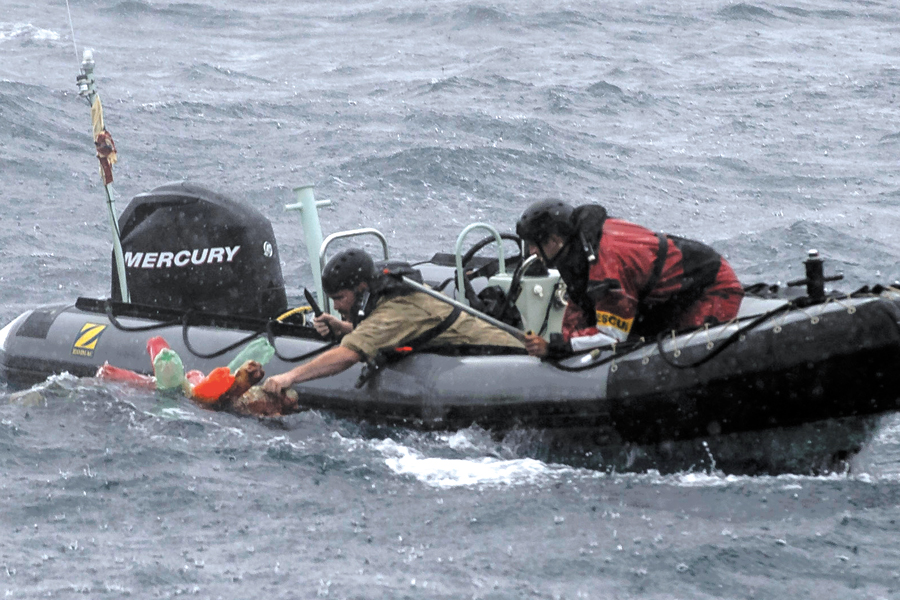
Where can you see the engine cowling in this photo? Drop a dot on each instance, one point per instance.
(187, 247)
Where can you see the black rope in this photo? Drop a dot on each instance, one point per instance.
(440, 287)
(185, 324)
(558, 362)
(270, 336)
(115, 322)
(515, 290)
(546, 321)
(728, 341)
(310, 354)
(184, 320)
(631, 346)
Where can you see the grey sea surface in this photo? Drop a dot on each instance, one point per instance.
(762, 128)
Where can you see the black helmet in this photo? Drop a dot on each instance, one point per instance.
(544, 218)
(346, 270)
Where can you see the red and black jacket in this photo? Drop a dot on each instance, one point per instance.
(639, 281)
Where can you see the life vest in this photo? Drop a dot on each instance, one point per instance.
(700, 265)
(388, 284)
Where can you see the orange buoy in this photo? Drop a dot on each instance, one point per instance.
(213, 385)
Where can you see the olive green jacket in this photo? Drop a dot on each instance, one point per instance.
(396, 321)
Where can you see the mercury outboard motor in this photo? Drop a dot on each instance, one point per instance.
(189, 248)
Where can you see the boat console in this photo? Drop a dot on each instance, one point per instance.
(537, 293)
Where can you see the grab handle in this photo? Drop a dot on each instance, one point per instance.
(460, 275)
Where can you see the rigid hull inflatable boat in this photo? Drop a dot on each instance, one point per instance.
(824, 361)
(783, 362)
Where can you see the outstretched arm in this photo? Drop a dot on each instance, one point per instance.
(329, 363)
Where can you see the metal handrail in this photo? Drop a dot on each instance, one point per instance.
(460, 275)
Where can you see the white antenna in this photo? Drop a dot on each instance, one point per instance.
(72, 27)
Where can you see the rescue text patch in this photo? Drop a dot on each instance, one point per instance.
(605, 319)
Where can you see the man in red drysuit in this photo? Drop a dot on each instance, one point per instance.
(623, 280)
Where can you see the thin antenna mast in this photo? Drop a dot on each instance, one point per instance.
(106, 154)
(72, 28)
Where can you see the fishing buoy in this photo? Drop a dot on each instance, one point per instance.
(213, 385)
(108, 372)
(154, 345)
(194, 377)
(169, 370)
(259, 350)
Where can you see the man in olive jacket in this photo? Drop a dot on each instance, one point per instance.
(381, 313)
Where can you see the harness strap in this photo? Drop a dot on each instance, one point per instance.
(389, 355)
(658, 263)
(700, 266)
(425, 337)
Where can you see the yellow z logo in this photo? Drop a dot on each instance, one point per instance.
(87, 339)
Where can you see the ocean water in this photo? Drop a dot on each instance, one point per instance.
(764, 129)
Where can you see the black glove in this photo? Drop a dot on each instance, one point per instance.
(558, 347)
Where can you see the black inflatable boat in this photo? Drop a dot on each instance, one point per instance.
(785, 361)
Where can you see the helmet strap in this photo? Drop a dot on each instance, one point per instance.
(588, 251)
(363, 306)
(540, 249)
(563, 252)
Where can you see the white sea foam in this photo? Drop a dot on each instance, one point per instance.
(460, 472)
(10, 31)
(174, 412)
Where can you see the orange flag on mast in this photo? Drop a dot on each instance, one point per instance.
(106, 148)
